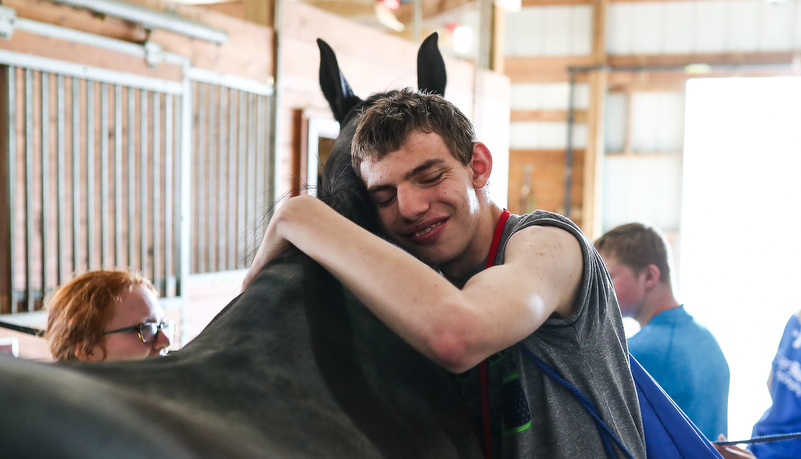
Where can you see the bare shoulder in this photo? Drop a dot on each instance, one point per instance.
(553, 257)
(544, 241)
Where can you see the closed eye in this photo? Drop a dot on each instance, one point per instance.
(383, 201)
(433, 179)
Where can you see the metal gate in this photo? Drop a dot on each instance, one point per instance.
(103, 169)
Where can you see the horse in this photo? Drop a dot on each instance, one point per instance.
(293, 367)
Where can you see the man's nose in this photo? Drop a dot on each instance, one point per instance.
(411, 202)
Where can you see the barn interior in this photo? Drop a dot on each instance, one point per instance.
(159, 136)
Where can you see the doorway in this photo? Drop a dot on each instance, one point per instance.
(741, 223)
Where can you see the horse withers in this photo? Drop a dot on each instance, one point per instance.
(293, 367)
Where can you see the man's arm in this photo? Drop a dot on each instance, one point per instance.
(455, 328)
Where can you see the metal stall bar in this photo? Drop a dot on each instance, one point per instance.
(200, 192)
(269, 145)
(76, 172)
(8, 190)
(168, 185)
(61, 165)
(221, 245)
(90, 174)
(256, 238)
(259, 218)
(45, 172)
(155, 204)
(212, 186)
(143, 127)
(104, 186)
(232, 171)
(29, 189)
(117, 175)
(130, 123)
(241, 205)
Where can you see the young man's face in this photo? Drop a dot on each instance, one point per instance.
(426, 199)
(629, 285)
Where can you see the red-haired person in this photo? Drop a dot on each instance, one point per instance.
(107, 315)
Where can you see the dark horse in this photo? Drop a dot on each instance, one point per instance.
(294, 367)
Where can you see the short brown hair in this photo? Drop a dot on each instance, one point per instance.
(637, 245)
(385, 125)
(80, 310)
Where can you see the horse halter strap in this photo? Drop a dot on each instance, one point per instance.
(482, 367)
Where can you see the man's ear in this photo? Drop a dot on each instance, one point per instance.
(481, 165)
(94, 354)
(652, 275)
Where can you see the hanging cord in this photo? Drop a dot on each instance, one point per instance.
(22, 329)
(761, 439)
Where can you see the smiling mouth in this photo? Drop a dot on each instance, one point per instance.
(426, 231)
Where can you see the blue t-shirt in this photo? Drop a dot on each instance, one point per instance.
(784, 416)
(686, 360)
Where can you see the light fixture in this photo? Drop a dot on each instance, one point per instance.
(462, 39)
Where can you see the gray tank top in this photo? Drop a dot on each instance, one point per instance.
(532, 416)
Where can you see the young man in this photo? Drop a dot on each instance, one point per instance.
(680, 354)
(428, 177)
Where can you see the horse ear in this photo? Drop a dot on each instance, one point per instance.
(431, 75)
(334, 85)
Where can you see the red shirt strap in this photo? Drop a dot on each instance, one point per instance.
(482, 367)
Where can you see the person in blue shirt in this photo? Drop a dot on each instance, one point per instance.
(784, 416)
(680, 354)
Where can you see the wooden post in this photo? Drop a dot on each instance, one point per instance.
(497, 36)
(260, 12)
(597, 79)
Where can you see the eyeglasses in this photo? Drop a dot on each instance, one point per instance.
(148, 331)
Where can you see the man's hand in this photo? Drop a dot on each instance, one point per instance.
(732, 452)
(273, 243)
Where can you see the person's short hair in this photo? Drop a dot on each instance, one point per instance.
(638, 245)
(386, 125)
(80, 310)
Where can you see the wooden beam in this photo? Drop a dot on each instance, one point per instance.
(645, 154)
(629, 83)
(591, 209)
(352, 9)
(498, 27)
(260, 12)
(234, 9)
(538, 3)
(713, 59)
(431, 8)
(543, 69)
(579, 116)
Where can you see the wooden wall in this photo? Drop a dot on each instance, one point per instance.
(235, 57)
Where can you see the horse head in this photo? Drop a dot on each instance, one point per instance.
(341, 188)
